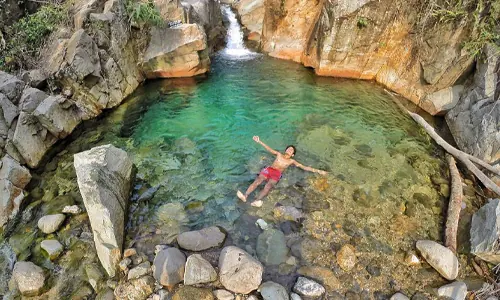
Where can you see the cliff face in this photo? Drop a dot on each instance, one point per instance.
(395, 43)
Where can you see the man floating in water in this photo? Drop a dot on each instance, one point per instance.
(273, 173)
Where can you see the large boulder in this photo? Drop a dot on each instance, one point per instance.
(58, 115)
(30, 99)
(176, 52)
(104, 176)
(11, 86)
(474, 121)
(13, 179)
(29, 278)
(239, 272)
(11, 198)
(32, 139)
(168, 266)
(271, 247)
(440, 102)
(251, 13)
(440, 258)
(484, 232)
(198, 270)
(9, 111)
(203, 239)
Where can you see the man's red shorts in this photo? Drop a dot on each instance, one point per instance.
(271, 173)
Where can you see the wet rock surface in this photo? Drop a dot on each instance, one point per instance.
(440, 258)
(202, 239)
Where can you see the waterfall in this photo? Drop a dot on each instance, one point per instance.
(234, 40)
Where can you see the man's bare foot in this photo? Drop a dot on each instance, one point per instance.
(241, 196)
(257, 203)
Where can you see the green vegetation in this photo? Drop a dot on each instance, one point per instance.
(362, 22)
(25, 37)
(484, 15)
(143, 12)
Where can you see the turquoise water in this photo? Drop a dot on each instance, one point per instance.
(191, 140)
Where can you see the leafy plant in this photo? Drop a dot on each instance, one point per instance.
(362, 22)
(25, 37)
(143, 12)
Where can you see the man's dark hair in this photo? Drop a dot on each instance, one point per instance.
(294, 149)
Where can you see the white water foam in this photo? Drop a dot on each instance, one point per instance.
(235, 49)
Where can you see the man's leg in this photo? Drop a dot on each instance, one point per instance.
(260, 179)
(258, 201)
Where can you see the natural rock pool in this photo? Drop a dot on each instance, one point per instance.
(191, 140)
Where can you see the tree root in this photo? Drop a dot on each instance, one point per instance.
(454, 205)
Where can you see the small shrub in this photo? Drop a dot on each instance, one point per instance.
(27, 35)
(362, 22)
(143, 12)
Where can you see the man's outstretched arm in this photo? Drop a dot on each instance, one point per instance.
(258, 141)
(297, 164)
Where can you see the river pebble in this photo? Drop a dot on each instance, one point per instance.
(456, 290)
(50, 223)
(308, 288)
(440, 258)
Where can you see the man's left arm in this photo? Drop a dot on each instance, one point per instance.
(297, 164)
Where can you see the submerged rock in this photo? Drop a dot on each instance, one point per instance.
(308, 288)
(52, 247)
(168, 266)
(399, 296)
(440, 258)
(191, 293)
(273, 291)
(271, 247)
(346, 257)
(140, 270)
(135, 289)
(50, 223)
(29, 278)
(456, 290)
(484, 232)
(200, 240)
(104, 177)
(239, 272)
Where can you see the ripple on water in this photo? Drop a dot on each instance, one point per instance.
(191, 140)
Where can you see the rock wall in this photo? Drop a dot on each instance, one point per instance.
(94, 66)
(396, 43)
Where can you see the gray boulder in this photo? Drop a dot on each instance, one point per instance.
(32, 139)
(239, 272)
(456, 290)
(58, 115)
(273, 291)
(35, 78)
(140, 270)
(440, 258)
(484, 232)
(168, 266)
(271, 247)
(52, 247)
(30, 99)
(11, 87)
(11, 198)
(9, 110)
(104, 177)
(82, 57)
(50, 223)
(203, 239)
(12, 171)
(198, 270)
(308, 288)
(29, 278)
